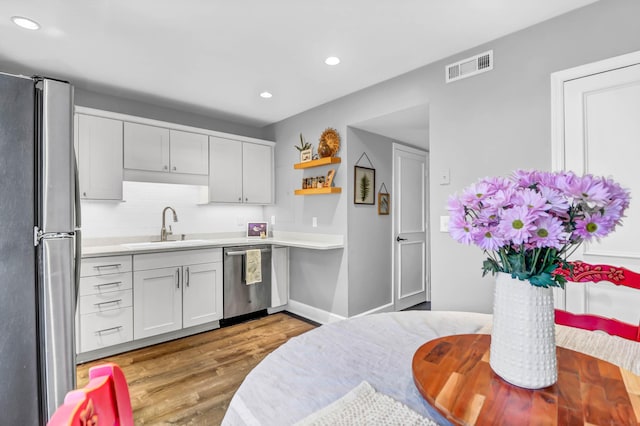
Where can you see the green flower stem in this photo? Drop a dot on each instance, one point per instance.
(534, 262)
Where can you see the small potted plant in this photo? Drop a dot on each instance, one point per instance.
(305, 150)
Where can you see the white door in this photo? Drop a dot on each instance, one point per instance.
(146, 147)
(225, 170)
(409, 198)
(157, 301)
(201, 293)
(257, 173)
(601, 116)
(189, 152)
(99, 157)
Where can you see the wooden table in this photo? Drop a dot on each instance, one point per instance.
(453, 374)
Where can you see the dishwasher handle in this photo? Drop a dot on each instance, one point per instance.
(243, 252)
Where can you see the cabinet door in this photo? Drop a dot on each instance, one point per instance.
(257, 169)
(189, 153)
(157, 301)
(201, 293)
(225, 170)
(146, 147)
(99, 157)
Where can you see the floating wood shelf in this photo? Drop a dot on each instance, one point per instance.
(314, 191)
(317, 163)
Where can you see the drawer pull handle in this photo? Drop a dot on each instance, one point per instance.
(107, 284)
(115, 265)
(117, 301)
(99, 332)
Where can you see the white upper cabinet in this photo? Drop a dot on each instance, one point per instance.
(257, 173)
(99, 145)
(240, 172)
(146, 147)
(225, 170)
(158, 149)
(189, 152)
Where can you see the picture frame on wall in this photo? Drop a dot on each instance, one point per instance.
(383, 203)
(364, 185)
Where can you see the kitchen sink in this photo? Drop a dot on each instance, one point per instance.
(164, 244)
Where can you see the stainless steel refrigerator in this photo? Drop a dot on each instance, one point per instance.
(39, 242)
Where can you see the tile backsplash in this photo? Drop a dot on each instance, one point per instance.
(140, 214)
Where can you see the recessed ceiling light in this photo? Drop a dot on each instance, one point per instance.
(265, 95)
(26, 23)
(332, 60)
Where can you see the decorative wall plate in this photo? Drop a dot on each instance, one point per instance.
(332, 138)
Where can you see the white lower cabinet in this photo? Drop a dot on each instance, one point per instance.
(105, 303)
(175, 290)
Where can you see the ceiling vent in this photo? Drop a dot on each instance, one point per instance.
(470, 66)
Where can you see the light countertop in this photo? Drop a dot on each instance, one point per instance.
(136, 245)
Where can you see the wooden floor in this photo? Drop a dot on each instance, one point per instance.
(190, 381)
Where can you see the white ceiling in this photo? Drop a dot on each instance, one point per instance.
(214, 57)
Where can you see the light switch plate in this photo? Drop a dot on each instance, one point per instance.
(444, 223)
(314, 222)
(445, 177)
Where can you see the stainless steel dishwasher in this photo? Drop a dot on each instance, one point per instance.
(239, 297)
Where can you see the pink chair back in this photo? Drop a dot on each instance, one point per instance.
(585, 273)
(103, 401)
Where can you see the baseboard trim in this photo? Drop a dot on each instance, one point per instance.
(314, 314)
(384, 308)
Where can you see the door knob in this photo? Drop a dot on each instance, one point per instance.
(398, 239)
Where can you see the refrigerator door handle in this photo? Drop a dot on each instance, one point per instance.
(38, 235)
(78, 225)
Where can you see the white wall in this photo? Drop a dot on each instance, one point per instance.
(141, 213)
(489, 124)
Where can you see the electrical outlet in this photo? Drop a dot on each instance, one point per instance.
(314, 222)
(273, 220)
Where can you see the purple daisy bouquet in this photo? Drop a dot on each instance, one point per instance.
(529, 223)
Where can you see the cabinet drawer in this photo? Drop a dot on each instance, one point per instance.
(176, 258)
(106, 301)
(108, 328)
(92, 266)
(105, 283)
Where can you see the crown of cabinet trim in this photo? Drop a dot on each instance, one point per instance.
(317, 163)
(167, 124)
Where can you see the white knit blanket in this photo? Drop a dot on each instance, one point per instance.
(616, 350)
(363, 406)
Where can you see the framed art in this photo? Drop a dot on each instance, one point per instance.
(305, 155)
(364, 184)
(383, 203)
(257, 230)
(328, 181)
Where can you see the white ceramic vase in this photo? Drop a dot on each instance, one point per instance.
(523, 340)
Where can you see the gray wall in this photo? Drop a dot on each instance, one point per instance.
(122, 105)
(486, 125)
(369, 234)
(500, 121)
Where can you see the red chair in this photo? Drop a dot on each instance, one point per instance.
(584, 272)
(103, 401)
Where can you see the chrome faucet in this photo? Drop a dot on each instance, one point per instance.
(163, 232)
